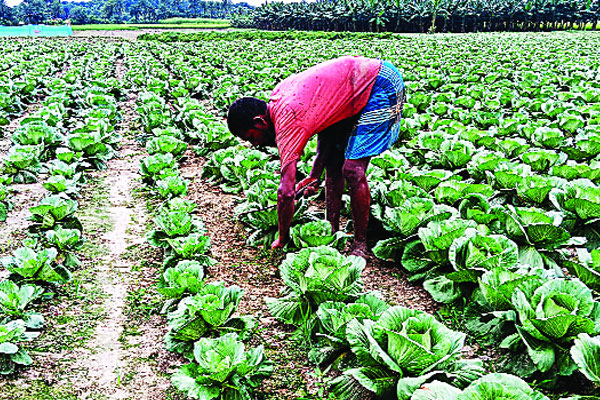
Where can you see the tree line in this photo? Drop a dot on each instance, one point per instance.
(113, 11)
(421, 16)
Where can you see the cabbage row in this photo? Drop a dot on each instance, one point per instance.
(202, 326)
(24, 73)
(72, 132)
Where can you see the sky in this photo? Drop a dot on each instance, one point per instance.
(12, 3)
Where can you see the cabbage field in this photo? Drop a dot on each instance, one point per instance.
(135, 234)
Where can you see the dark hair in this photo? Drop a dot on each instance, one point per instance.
(242, 112)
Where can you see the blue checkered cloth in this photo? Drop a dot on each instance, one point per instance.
(379, 122)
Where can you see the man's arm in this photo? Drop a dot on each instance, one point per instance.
(285, 203)
(323, 150)
(324, 146)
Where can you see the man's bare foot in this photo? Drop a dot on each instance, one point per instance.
(360, 250)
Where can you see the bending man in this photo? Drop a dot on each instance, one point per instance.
(354, 104)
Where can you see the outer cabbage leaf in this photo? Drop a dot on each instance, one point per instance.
(587, 269)
(586, 354)
(500, 386)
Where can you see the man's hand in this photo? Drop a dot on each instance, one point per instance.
(309, 186)
(279, 243)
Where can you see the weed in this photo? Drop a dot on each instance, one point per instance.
(322, 382)
(143, 302)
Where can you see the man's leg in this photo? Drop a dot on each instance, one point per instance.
(334, 188)
(334, 140)
(354, 172)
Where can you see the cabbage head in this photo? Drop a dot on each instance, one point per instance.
(318, 233)
(313, 276)
(195, 246)
(580, 198)
(40, 265)
(402, 350)
(223, 369)
(405, 220)
(208, 310)
(171, 224)
(52, 211)
(186, 276)
(166, 144)
(431, 251)
(334, 317)
(475, 253)
(14, 299)
(157, 166)
(550, 316)
(533, 226)
(259, 212)
(172, 186)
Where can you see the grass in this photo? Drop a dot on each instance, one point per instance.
(76, 313)
(37, 390)
(289, 361)
(94, 213)
(180, 23)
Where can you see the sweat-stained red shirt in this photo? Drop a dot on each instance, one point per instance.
(304, 104)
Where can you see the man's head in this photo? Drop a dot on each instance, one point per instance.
(249, 120)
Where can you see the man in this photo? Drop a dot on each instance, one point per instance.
(354, 104)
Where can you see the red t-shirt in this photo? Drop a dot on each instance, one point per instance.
(304, 104)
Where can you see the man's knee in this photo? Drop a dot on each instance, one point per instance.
(354, 171)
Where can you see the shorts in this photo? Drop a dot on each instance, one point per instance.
(379, 121)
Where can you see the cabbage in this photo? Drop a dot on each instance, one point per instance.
(551, 315)
(318, 233)
(313, 276)
(166, 144)
(586, 354)
(222, 369)
(400, 352)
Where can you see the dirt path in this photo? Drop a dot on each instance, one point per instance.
(111, 364)
(105, 358)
